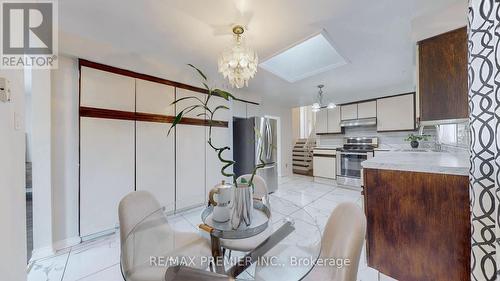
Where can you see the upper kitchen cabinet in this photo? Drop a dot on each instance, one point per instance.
(333, 123)
(367, 109)
(106, 90)
(396, 113)
(322, 121)
(154, 98)
(443, 76)
(349, 112)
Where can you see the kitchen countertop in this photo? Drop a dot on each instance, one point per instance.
(426, 162)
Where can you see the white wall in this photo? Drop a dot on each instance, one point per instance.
(448, 18)
(12, 182)
(41, 157)
(65, 145)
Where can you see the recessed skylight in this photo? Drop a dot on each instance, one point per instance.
(307, 58)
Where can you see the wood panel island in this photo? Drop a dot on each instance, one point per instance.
(418, 215)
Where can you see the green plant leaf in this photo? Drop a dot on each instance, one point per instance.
(199, 71)
(223, 94)
(176, 121)
(220, 107)
(186, 98)
(243, 180)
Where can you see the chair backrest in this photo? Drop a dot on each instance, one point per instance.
(133, 208)
(343, 237)
(260, 186)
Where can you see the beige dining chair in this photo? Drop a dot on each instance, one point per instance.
(342, 238)
(145, 233)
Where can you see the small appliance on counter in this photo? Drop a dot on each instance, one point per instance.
(349, 157)
(247, 147)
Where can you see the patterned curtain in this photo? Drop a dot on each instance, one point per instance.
(484, 78)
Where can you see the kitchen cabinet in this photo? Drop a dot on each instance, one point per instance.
(322, 121)
(324, 163)
(396, 113)
(102, 89)
(349, 112)
(367, 109)
(443, 92)
(418, 224)
(107, 171)
(155, 162)
(333, 123)
(190, 166)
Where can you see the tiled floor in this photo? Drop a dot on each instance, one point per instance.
(98, 260)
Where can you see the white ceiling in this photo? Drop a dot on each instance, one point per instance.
(161, 37)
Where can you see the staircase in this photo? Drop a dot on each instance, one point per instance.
(302, 156)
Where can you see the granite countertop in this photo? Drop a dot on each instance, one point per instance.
(426, 162)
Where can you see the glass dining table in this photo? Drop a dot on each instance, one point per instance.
(154, 250)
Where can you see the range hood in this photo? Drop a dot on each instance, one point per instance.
(359, 122)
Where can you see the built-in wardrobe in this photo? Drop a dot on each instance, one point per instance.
(124, 145)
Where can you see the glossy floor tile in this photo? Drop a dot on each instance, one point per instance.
(307, 202)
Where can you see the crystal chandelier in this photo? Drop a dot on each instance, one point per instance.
(239, 63)
(318, 105)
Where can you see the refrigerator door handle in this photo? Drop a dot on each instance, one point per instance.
(269, 139)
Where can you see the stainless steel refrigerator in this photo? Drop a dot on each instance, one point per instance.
(247, 146)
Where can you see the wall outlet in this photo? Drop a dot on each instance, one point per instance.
(4, 90)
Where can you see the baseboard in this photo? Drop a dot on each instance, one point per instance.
(325, 181)
(66, 243)
(41, 253)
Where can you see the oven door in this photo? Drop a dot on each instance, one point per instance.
(350, 164)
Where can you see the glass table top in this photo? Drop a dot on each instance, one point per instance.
(153, 246)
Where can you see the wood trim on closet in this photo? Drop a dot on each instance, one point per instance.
(146, 117)
(124, 72)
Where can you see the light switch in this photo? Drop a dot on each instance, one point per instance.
(4, 90)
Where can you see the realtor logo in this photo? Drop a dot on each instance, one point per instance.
(29, 35)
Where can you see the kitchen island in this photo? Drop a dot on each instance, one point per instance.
(418, 215)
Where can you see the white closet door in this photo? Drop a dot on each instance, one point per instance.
(182, 93)
(102, 89)
(221, 114)
(106, 171)
(190, 166)
(154, 98)
(220, 138)
(155, 162)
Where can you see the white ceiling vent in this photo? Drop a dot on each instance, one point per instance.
(312, 56)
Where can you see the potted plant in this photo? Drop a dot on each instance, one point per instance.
(414, 139)
(242, 197)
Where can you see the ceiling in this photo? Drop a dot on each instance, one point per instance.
(161, 37)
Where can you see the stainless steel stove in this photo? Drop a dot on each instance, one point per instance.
(349, 158)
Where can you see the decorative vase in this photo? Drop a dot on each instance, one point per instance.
(414, 144)
(242, 205)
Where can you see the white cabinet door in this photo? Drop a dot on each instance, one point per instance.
(349, 112)
(367, 109)
(252, 110)
(324, 167)
(155, 162)
(106, 171)
(220, 138)
(181, 105)
(322, 121)
(221, 114)
(154, 98)
(102, 89)
(190, 166)
(396, 113)
(239, 109)
(334, 120)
